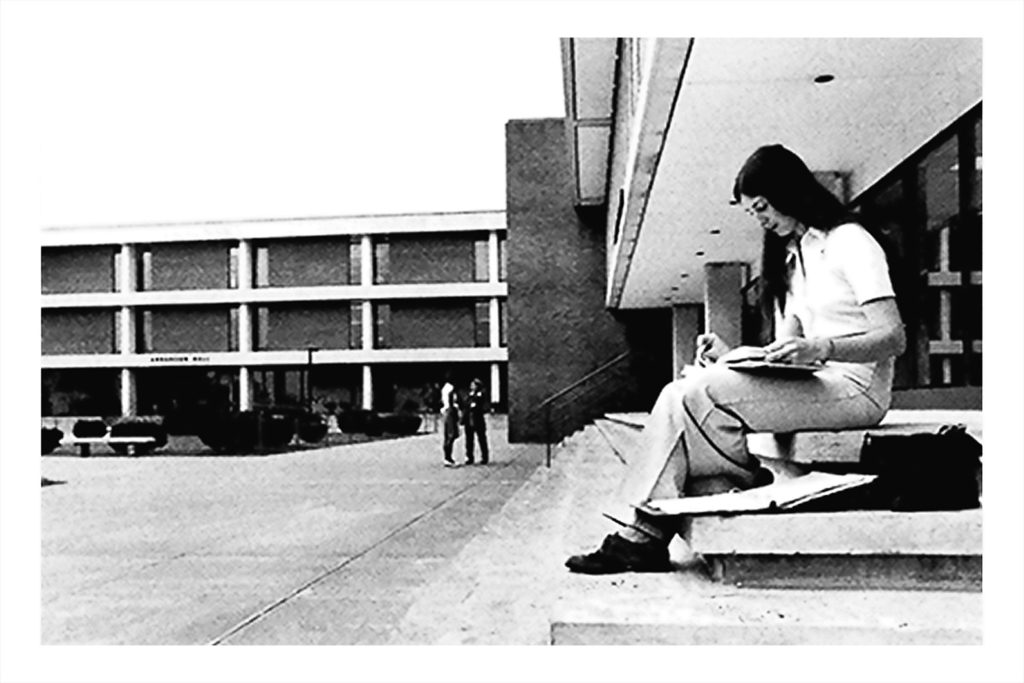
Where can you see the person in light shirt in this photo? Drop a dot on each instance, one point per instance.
(825, 281)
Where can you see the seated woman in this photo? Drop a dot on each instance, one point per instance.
(826, 282)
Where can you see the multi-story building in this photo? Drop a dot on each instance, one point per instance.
(362, 311)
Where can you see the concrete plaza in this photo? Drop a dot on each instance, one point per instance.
(331, 546)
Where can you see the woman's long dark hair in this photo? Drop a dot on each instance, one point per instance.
(781, 177)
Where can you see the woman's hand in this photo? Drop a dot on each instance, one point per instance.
(710, 348)
(743, 353)
(797, 350)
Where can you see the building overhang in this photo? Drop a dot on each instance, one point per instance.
(708, 103)
(378, 224)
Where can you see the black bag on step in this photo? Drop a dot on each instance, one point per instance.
(916, 472)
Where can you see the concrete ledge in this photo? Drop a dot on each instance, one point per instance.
(874, 549)
(845, 445)
(854, 532)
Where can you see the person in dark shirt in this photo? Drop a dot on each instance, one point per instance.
(474, 419)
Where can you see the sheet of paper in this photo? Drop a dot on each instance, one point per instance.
(780, 495)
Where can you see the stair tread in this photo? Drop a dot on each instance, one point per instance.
(878, 532)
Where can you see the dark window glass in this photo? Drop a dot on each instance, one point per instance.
(483, 323)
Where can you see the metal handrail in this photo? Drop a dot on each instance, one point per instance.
(546, 404)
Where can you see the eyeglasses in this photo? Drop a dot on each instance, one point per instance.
(758, 206)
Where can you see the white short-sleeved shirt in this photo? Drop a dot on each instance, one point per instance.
(834, 272)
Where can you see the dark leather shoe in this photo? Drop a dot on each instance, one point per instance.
(617, 555)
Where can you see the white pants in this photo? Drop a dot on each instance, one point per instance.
(698, 426)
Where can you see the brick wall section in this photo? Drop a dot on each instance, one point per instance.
(558, 327)
(196, 265)
(67, 331)
(431, 325)
(324, 326)
(178, 329)
(78, 269)
(308, 262)
(415, 260)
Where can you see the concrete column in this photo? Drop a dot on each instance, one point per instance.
(723, 300)
(367, 387)
(127, 281)
(128, 395)
(495, 327)
(244, 388)
(492, 256)
(495, 382)
(244, 331)
(685, 328)
(366, 260)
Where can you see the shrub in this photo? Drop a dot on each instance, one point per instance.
(354, 420)
(51, 439)
(139, 428)
(312, 428)
(230, 432)
(278, 429)
(242, 432)
(402, 424)
(86, 429)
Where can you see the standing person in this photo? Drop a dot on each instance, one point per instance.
(475, 420)
(450, 419)
(826, 283)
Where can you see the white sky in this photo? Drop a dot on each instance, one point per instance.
(196, 110)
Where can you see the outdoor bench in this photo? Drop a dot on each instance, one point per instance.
(85, 443)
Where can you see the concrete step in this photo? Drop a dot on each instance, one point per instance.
(870, 549)
(639, 609)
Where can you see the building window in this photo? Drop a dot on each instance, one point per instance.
(117, 270)
(381, 325)
(503, 322)
(262, 266)
(144, 331)
(144, 274)
(381, 261)
(502, 259)
(929, 211)
(261, 321)
(481, 261)
(483, 323)
(355, 328)
(355, 262)
(233, 268)
(233, 328)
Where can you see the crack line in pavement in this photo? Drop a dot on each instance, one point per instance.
(256, 616)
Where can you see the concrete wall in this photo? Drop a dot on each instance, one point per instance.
(424, 259)
(431, 325)
(308, 262)
(78, 269)
(78, 330)
(299, 326)
(185, 328)
(559, 329)
(190, 265)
